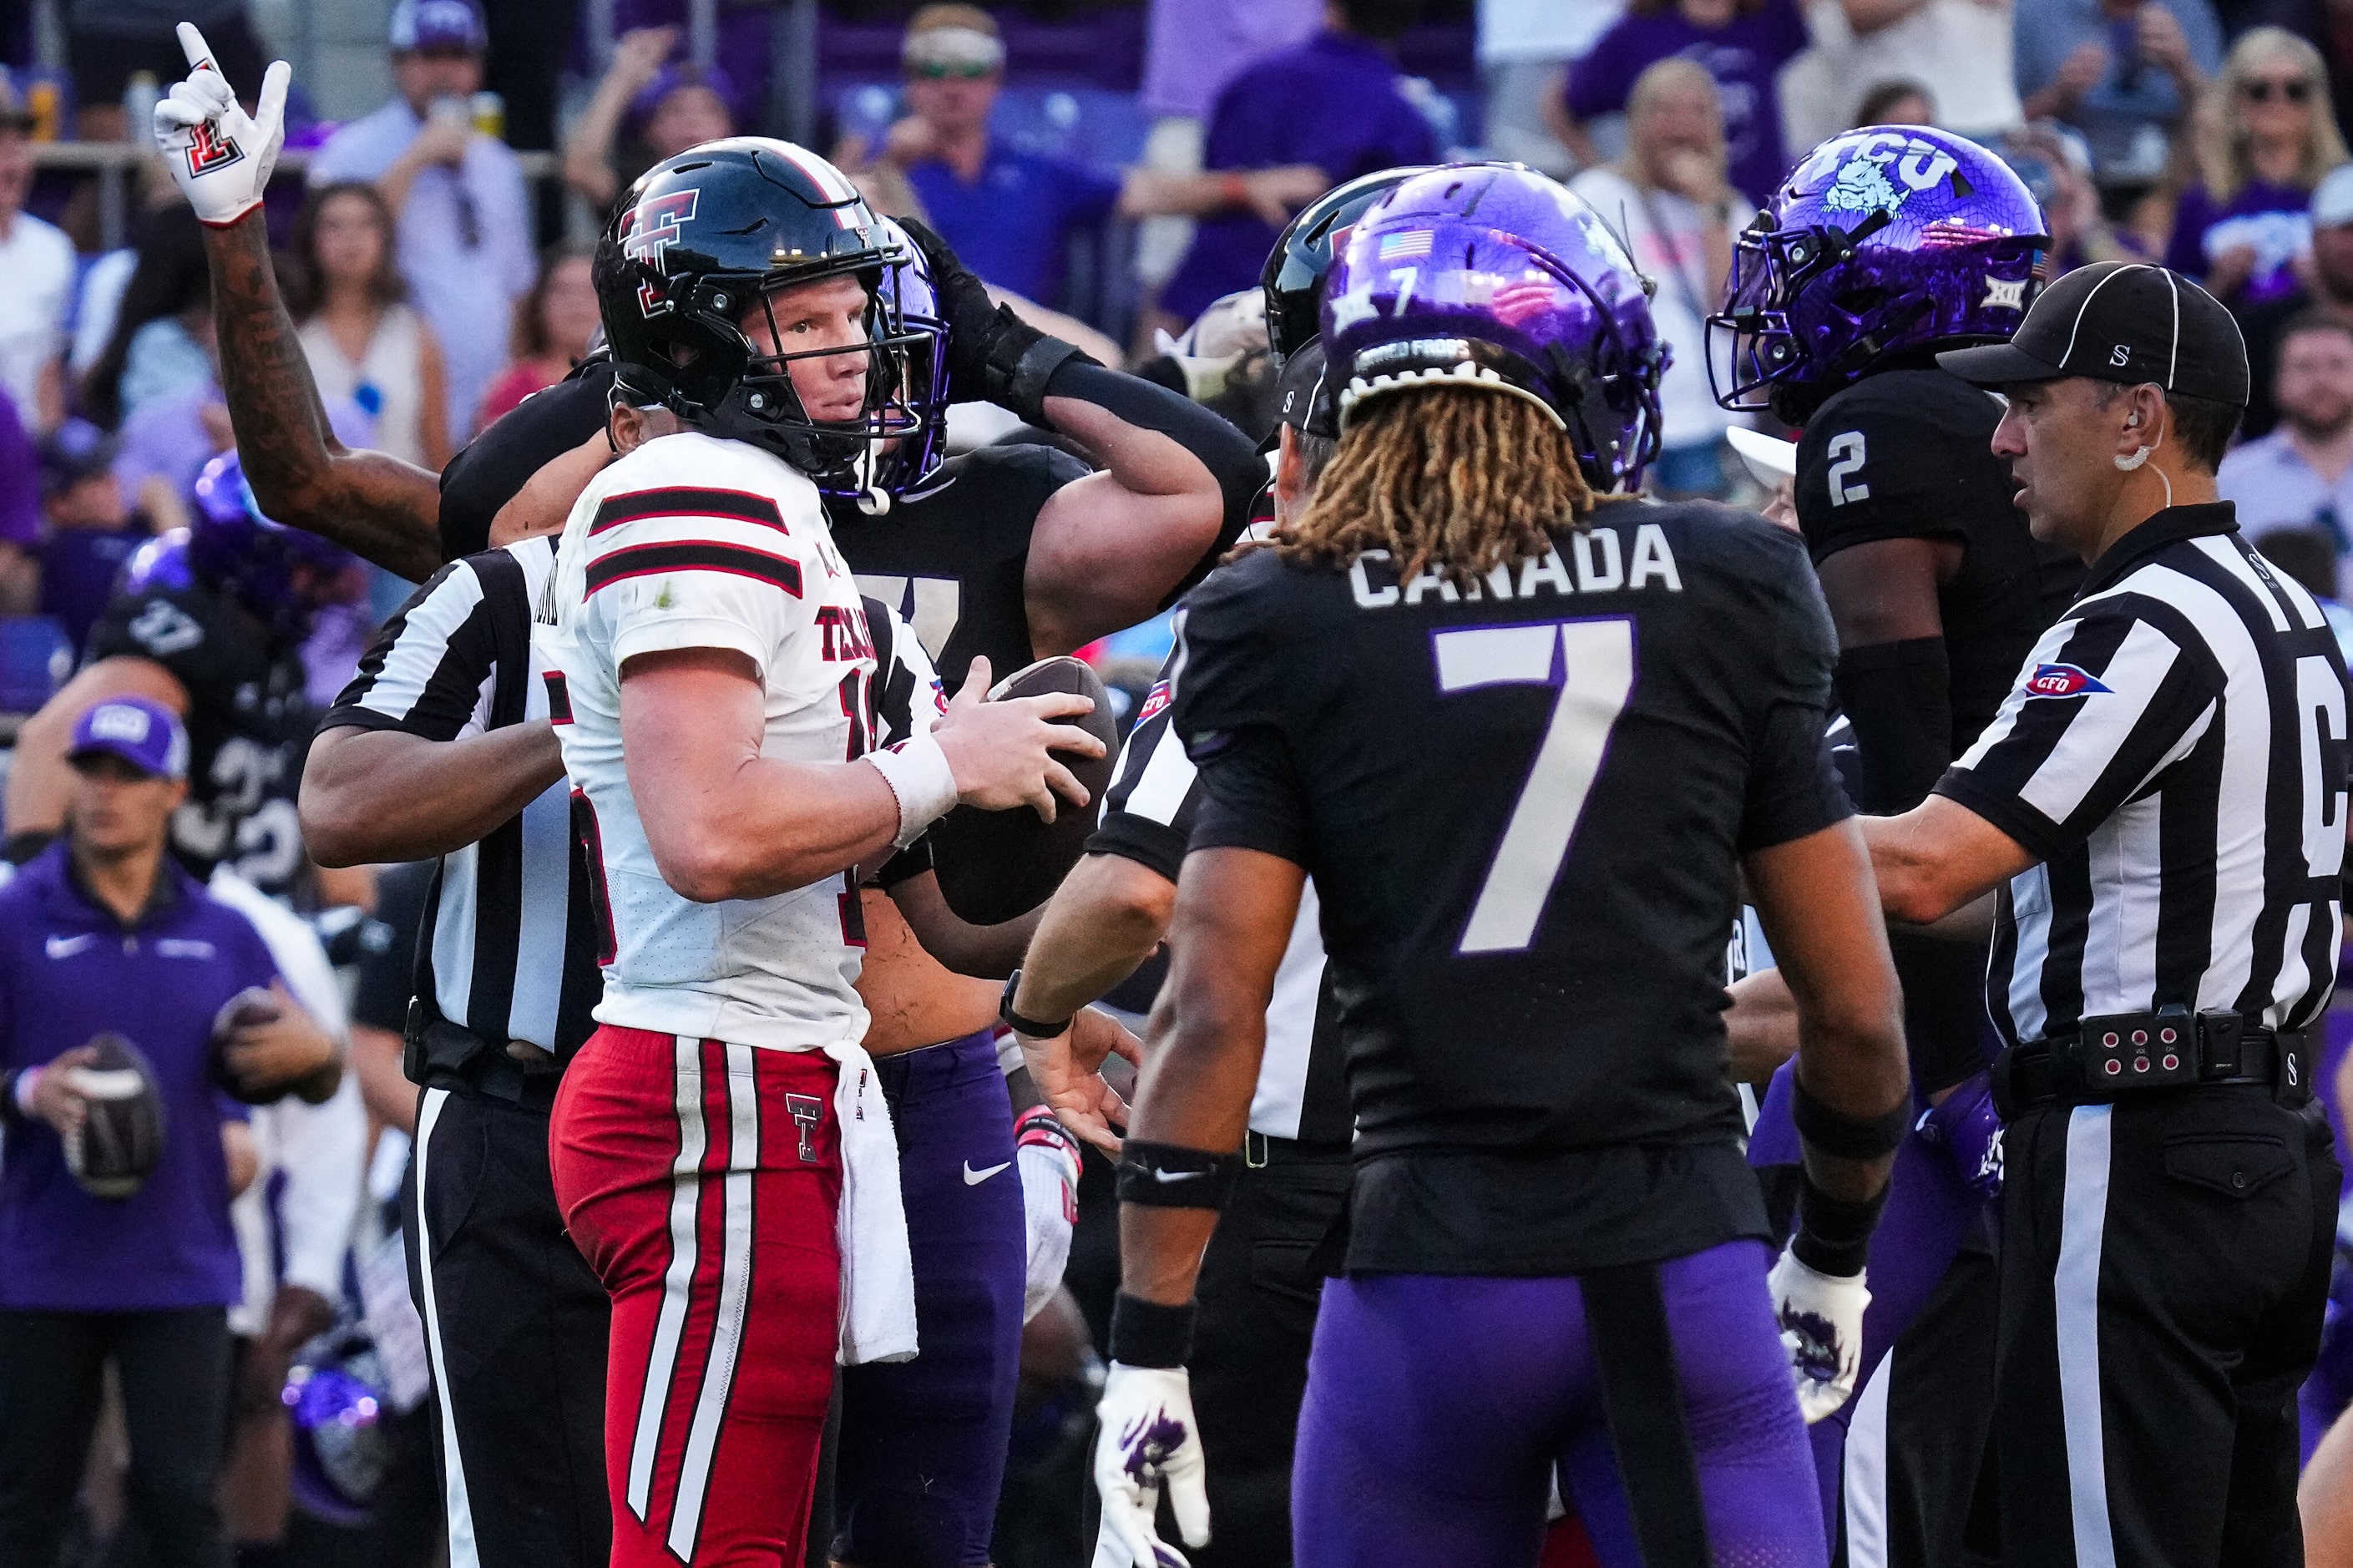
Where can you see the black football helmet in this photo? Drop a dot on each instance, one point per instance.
(1311, 242)
(696, 240)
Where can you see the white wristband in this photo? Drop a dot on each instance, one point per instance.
(917, 772)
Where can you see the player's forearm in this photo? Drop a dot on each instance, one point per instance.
(1760, 1027)
(1160, 1251)
(1107, 916)
(371, 504)
(770, 828)
(374, 796)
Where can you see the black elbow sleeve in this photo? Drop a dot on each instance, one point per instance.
(1897, 697)
(1221, 447)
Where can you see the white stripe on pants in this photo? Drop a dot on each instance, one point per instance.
(463, 1551)
(1864, 1478)
(2084, 1218)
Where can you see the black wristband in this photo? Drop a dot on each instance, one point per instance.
(1833, 1133)
(1170, 1176)
(1145, 1333)
(1834, 1235)
(1016, 1022)
(1897, 697)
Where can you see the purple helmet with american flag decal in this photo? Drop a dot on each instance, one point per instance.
(1885, 243)
(1490, 275)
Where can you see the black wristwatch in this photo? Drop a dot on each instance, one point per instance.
(1016, 1022)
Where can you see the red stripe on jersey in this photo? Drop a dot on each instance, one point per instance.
(559, 698)
(687, 501)
(694, 555)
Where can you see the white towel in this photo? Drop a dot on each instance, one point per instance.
(878, 1274)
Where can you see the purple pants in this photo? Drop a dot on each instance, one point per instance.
(923, 1441)
(1439, 1409)
(1930, 1211)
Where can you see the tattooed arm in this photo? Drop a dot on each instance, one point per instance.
(370, 503)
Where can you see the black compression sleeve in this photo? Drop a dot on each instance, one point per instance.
(1898, 698)
(1228, 455)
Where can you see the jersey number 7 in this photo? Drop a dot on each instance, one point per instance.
(1592, 663)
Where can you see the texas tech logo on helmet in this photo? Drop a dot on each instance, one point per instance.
(650, 228)
(209, 150)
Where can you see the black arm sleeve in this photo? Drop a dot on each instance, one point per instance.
(1898, 697)
(1252, 798)
(1229, 456)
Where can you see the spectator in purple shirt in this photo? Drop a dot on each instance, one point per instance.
(105, 934)
(1333, 101)
(20, 513)
(2264, 136)
(1008, 213)
(1742, 44)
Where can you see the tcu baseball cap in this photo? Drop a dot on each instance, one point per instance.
(2123, 321)
(439, 25)
(145, 734)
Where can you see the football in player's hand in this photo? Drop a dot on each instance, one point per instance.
(120, 1136)
(250, 1008)
(995, 866)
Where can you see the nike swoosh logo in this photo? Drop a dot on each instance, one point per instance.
(973, 1178)
(67, 946)
(1177, 1175)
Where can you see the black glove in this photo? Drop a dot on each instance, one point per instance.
(993, 356)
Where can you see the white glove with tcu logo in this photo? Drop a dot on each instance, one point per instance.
(1820, 1318)
(219, 155)
(1145, 1437)
(1047, 1158)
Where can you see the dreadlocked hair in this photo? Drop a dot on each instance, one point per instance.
(1459, 479)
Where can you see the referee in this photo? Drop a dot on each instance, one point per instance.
(2161, 800)
(1261, 1282)
(442, 745)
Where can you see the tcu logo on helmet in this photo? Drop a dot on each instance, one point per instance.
(1879, 170)
(209, 150)
(652, 227)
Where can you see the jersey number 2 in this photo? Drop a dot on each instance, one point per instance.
(1595, 672)
(1847, 448)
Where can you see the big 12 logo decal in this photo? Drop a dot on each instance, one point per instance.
(650, 228)
(209, 150)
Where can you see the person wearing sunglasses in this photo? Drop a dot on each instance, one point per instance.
(2263, 140)
(1009, 213)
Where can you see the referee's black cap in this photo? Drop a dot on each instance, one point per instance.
(1302, 397)
(2124, 321)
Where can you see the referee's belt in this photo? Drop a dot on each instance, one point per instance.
(1259, 1151)
(2124, 1055)
(438, 1053)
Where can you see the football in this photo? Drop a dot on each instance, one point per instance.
(254, 1004)
(122, 1136)
(994, 865)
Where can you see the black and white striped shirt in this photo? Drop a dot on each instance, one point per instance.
(509, 944)
(2175, 753)
(1302, 1085)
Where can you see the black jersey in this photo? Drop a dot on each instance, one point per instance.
(1523, 811)
(249, 722)
(953, 557)
(1908, 455)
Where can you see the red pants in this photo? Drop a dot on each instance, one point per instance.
(700, 1180)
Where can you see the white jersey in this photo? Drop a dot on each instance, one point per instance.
(693, 541)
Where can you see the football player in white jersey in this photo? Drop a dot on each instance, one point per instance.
(722, 1153)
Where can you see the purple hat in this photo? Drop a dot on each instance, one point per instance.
(439, 25)
(668, 80)
(145, 734)
(1886, 242)
(1490, 275)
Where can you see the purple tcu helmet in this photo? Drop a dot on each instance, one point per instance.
(231, 547)
(334, 1397)
(1490, 275)
(1884, 243)
(919, 349)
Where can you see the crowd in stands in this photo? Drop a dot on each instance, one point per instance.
(435, 286)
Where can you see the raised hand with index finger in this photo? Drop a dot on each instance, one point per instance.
(220, 156)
